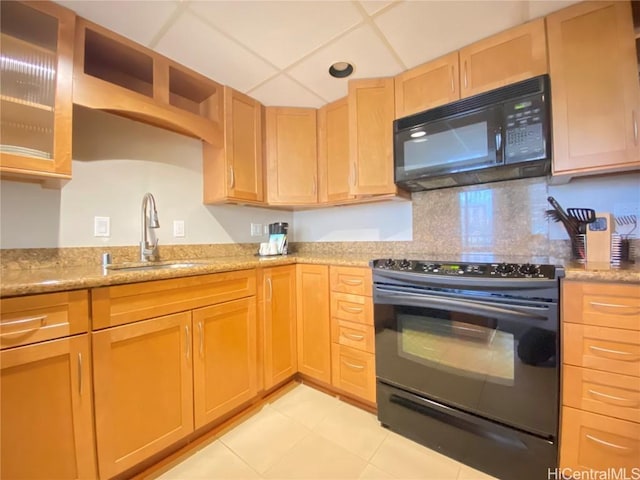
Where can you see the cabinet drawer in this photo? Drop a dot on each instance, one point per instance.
(609, 349)
(35, 318)
(123, 304)
(597, 442)
(602, 392)
(356, 280)
(354, 372)
(602, 304)
(352, 334)
(354, 308)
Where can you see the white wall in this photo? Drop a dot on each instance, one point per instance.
(390, 221)
(115, 162)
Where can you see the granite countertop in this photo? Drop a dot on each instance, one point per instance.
(43, 280)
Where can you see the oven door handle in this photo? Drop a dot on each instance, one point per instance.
(473, 307)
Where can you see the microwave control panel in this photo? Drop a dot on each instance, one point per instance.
(524, 130)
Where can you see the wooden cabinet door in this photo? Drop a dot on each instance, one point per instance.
(143, 389)
(354, 371)
(427, 86)
(371, 114)
(46, 419)
(333, 152)
(292, 161)
(594, 80)
(35, 97)
(234, 173)
(279, 324)
(314, 328)
(510, 56)
(224, 358)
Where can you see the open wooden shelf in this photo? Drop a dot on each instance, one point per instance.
(114, 74)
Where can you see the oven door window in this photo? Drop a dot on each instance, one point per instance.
(493, 365)
(466, 142)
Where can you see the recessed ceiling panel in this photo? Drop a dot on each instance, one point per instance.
(280, 31)
(362, 48)
(282, 91)
(198, 46)
(423, 30)
(134, 19)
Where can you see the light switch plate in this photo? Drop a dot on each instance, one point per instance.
(178, 228)
(101, 226)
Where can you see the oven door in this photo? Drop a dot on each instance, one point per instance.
(496, 358)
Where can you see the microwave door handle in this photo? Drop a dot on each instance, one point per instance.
(472, 307)
(499, 144)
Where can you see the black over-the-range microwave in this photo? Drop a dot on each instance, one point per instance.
(503, 134)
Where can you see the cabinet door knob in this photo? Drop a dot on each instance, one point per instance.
(201, 331)
(635, 127)
(466, 83)
(453, 88)
(270, 296)
(232, 178)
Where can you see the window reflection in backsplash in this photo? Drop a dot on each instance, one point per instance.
(476, 220)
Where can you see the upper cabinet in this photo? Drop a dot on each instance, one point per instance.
(36, 46)
(114, 74)
(292, 161)
(427, 86)
(510, 56)
(594, 84)
(233, 173)
(333, 152)
(371, 114)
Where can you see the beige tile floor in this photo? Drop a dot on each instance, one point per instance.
(306, 434)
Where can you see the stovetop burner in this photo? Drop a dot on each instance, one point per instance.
(468, 269)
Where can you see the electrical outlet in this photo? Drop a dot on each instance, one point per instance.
(256, 230)
(178, 228)
(101, 226)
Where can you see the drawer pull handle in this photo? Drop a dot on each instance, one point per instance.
(353, 336)
(630, 356)
(351, 309)
(613, 399)
(354, 282)
(353, 365)
(632, 310)
(607, 444)
(42, 319)
(80, 373)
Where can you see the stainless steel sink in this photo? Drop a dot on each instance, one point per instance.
(151, 266)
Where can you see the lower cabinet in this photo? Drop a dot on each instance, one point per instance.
(314, 330)
(143, 389)
(278, 324)
(224, 358)
(354, 372)
(46, 420)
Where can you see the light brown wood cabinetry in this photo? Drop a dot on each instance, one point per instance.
(234, 173)
(371, 114)
(292, 161)
(115, 74)
(34, 318)
(313, 324)
(333, 152)
(352, 332)
(224, 358)
(427, 86)
(278, 324)
(594, 80)
(601, 376)
(35, 95)
(143, 389)
(46, 419)
(510, 56)
(171, 356)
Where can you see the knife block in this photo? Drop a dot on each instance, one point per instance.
(599, 239)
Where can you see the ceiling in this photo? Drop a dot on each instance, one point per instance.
(279, 52)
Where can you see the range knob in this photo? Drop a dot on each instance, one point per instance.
(505, 268)
(528, 269)
(389, 263)
(405, 264)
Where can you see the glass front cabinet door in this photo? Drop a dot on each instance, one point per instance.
(36, 68)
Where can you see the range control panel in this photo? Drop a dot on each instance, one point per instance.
(487, 270)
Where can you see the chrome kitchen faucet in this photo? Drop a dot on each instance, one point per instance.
(148, 252)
